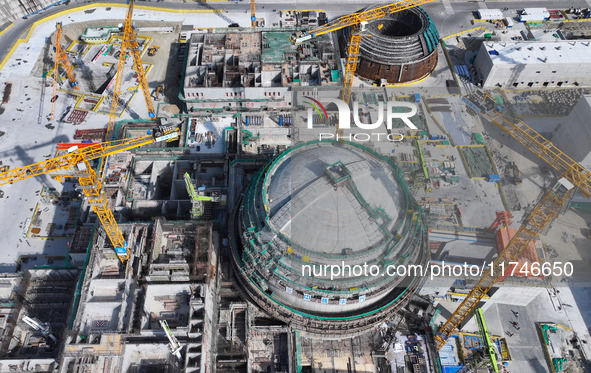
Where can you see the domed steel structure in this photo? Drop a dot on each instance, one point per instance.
(319, 206)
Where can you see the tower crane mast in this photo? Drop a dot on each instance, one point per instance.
(129, 44)
(253, 17)
(539, 219)
(77, 163)
(61, 58)
(354, 21)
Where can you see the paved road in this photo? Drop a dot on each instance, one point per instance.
(446, 15)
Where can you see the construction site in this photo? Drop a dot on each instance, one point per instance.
(253, 187)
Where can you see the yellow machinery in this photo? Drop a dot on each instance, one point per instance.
(354, 21)
(253, 17)
(543, 214)
(61, 58)
(129, 44)
(152, 50)
(76, 163)
(159, 90)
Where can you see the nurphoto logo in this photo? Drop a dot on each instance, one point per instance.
(344, 120)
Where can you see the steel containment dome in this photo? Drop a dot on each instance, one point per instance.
(319, 206)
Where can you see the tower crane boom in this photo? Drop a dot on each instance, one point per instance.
(77, 163)
(353, 21)
(539, 219)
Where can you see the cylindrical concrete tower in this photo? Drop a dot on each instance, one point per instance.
(402, 47)
(320, 205)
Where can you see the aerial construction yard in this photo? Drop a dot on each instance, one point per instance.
(257, 186)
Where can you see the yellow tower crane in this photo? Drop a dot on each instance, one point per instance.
(61, 58)
(539, 219)
(129, 44)
(354, 21)
(76, 163)
(253, 17)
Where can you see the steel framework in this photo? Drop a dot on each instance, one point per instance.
(76, 163)
(354, 21)
(61, 57)
(129, 44)
(253, 17)
(540, 218)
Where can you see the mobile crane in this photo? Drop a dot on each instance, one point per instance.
(42, 327)
(61, 58)
(539, 219)
(197, 198)
(355, 21)
(129, 44)
(173, 344)
(77, 163)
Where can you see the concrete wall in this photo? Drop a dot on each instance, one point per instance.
(249, 98)
(573, 135)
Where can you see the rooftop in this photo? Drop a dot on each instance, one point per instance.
(303, 195)
(558, 52)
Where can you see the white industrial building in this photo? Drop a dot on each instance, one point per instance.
(490, 14)
(534, 15)
(573, 135)
(534, 64)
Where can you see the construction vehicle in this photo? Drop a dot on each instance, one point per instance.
(129, 44)
(516, 174)
(4, 168)
(486, 339)
(61, 58)
(197, 197)
(42, 327)
(152, 50)
(173, 344)
(76, 162)
(253, 17)
(356, 22)
(159, 90)
(539, 219)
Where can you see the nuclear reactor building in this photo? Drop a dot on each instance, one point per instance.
(402, 47)
(324, 204)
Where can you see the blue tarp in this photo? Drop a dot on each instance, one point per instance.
(450, 369)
